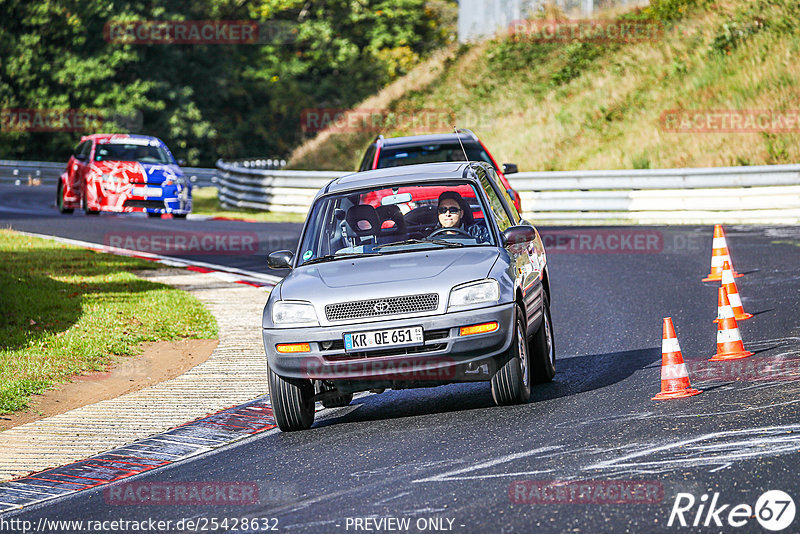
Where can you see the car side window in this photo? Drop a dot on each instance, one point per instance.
(87, 148)
(79, 149)
(496, 205)
(510, 207)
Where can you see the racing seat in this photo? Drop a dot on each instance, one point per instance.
(393, 225)
(363, 224)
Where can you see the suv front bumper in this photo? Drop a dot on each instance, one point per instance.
(445, 357)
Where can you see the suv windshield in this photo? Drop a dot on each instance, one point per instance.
(393, 220)
(432, 153)
(132, 152)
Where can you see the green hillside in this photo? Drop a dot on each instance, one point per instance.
(602, 105)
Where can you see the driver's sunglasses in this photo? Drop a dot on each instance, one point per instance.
(451, 209)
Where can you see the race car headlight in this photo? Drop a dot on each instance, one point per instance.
(480, 292)
(294, 313)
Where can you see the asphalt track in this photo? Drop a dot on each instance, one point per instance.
(449, 455)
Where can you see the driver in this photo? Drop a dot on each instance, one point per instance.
(453, 213)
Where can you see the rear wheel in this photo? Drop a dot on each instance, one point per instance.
(511, 384)
(153, 215)
(60, 199)
(179, 215)
(543, 348)
(291, 404)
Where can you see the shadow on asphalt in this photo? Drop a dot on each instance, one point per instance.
(574, 375)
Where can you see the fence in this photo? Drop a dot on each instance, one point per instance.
(47, 172)
(763, 194)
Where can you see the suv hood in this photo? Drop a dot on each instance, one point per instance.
(429, 271)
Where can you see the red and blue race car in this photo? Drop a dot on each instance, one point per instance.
(124, 173)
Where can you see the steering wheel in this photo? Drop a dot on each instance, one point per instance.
(460, 231)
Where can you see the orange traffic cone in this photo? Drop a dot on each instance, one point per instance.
(733, 294)
(729, 340)
(719, 255)
(674, 378)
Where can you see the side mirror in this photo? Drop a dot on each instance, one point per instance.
(280, 259)
(81, 157)
(181, 162)
(510, 168)
(515, 235)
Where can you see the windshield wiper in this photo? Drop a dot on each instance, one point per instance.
(334, 257)
(441, 242)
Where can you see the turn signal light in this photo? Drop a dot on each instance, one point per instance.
(479, 328)
(293, 347)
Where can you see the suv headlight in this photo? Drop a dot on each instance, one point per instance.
(480, 292)
(294, 313)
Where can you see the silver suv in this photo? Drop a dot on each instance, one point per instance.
(408, 277)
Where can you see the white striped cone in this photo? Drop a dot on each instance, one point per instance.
(733, 294)
(729, 339)
(674, 377)
(719, 255)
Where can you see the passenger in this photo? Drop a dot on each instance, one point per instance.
(455, 213)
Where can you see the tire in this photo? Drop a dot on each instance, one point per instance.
(338, 402)
(290, 402)
(179, 215)
(151, 215)
(543, 348)
(60, 199)
(511, 384)
(85, 207)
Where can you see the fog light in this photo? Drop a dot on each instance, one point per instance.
(478, 329)
(293, 347)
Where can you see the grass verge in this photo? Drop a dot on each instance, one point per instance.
(67, 311)
(205, 202)
(597, 105)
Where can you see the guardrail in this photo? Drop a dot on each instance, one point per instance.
(762, 194)
(47, 172)
(758, 194)
(287, 191)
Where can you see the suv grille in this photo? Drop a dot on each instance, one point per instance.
(361, 309)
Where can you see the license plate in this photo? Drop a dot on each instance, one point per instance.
(395, 337)
(146, 192)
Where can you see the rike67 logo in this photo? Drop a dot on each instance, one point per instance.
(774, 510)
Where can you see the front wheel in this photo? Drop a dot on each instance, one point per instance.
(511, 384)
(543, 348)
(85, 205)
(60, 199)
(291, 402)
